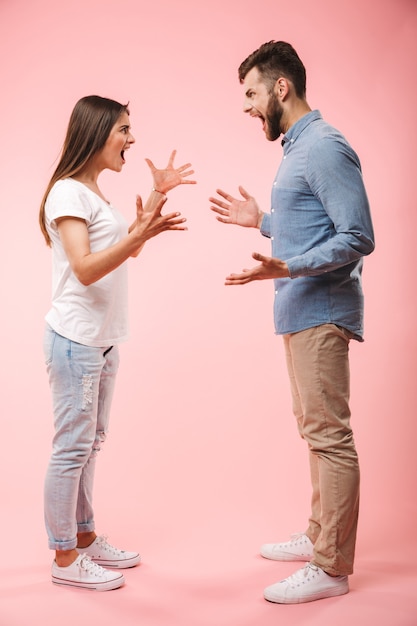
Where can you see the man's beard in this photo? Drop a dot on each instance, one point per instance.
(273, 118)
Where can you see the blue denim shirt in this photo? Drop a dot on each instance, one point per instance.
(320, 224)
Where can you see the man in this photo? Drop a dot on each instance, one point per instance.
(320, 228)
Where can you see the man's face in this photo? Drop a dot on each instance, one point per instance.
(261, 102)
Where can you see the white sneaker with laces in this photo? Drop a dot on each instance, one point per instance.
(299, 548)
(103, 553)
(86, 574)
(307, 584)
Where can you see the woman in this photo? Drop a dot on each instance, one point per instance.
(90, 243)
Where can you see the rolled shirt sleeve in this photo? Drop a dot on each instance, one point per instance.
(335, 179)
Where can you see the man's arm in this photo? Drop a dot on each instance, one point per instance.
(248, 214)
(335, 178)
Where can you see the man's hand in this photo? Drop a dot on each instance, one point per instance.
(269, 268)
(242, 212)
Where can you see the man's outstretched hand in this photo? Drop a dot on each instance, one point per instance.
(242, 212)
(268, 268)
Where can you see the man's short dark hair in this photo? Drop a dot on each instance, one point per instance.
(274, 59)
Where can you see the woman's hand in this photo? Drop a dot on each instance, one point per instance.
(148, 224)
(170, 177)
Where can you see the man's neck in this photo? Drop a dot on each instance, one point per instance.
(296, 110)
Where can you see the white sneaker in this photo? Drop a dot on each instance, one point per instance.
(307, 584)
(84, 573)
(299, 548)
(103, 553)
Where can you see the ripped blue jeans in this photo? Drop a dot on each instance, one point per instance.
(82, 382)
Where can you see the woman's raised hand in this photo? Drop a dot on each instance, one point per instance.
(170, 177)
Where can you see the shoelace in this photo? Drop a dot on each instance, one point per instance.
(295, 538)
(105, 545)
(300, 576)
(89, 566)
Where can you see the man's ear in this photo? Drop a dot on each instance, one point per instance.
(281, 88)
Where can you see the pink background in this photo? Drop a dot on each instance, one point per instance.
(204, 462)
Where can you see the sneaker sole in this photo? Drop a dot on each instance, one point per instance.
(107, 585)
(125, 564)
(286, 557)
(321, 595)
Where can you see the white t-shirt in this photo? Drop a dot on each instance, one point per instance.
(93, 315)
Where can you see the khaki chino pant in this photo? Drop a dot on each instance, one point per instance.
(318, 367)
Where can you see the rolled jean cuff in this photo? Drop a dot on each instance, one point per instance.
(88, 527)
(62, 545)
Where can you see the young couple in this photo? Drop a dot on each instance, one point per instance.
(320, 229)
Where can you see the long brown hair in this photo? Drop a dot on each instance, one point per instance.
(89, 126)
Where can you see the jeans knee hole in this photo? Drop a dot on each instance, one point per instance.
(87, 391)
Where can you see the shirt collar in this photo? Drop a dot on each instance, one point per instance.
(296, 129)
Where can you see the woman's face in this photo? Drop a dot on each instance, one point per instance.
(112, 155)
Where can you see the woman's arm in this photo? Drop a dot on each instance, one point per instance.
(163, 181)
(89, 266)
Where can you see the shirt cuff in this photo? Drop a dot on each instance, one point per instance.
(297, 267)
(266, 225)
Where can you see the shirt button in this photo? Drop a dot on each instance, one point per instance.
(276, 291)
(272, 210)
(272, 239)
